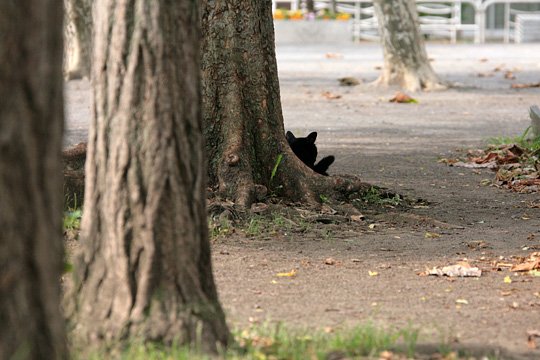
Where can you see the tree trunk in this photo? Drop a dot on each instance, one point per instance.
(405, 60)
(333, 6)
(310, 6)
(145, 271)
(78, 33)
(242, 117)
(31, 125)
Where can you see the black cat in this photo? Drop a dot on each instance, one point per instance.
(306, 150)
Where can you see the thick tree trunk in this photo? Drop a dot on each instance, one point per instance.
(145, 271)
(405, 60)
(78, 33)
(242, 117)
(31, 124)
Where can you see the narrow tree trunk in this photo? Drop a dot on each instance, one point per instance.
(31, 124)
(78, 33)
(145, 271)
(333, 6)
(242, 117)
(405, 60)
(310, 6)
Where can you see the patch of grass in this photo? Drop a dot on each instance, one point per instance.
(276, 165)
(220, 227)
(524, 141)
(324, 198)
(255, 226)
(72, 219)
(280, 342)
(376, 196)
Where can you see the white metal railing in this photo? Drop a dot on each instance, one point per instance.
(437, 17)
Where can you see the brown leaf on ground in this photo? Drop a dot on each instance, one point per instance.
(331, 96)
(349, 81)
(330, 261)
(484, 74)
(478, 244)
(403, 98)
(333, 56)
(509, 75)
(532, 262)
(531, 336)
(525, 86)
(483, 60)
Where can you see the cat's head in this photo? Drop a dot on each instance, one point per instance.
(304, 147)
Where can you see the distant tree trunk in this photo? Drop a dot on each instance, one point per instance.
(145, 271)
(242, 117)
(31, 125)
(405, 60)
(310, 5)
(333, 6)
(78, 32)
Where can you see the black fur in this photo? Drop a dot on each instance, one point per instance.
(306, 150)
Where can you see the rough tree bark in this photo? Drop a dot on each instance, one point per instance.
(405, 60)
(242, 117)
(145, 270)
(78, 34)
(31, 125)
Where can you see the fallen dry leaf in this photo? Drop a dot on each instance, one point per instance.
(509, 75)
(330, 261)
(532, 262)
(358, 218)
(483, 60)
(507, 280)
(431, 235)
(331, 96)
(403, 98)
(462, 301)
(484, 74)
(525, 86)
(291, 273)
(373, 273)
(531, 336)
(333, 55)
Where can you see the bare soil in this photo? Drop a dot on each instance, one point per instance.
(396, 146)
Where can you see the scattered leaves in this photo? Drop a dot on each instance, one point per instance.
(517, 168)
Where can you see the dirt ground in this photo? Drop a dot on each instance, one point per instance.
(396, 146)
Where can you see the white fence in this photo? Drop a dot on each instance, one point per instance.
(439, 18)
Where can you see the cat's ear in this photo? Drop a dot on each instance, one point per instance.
(312, 137)
(290, 137)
